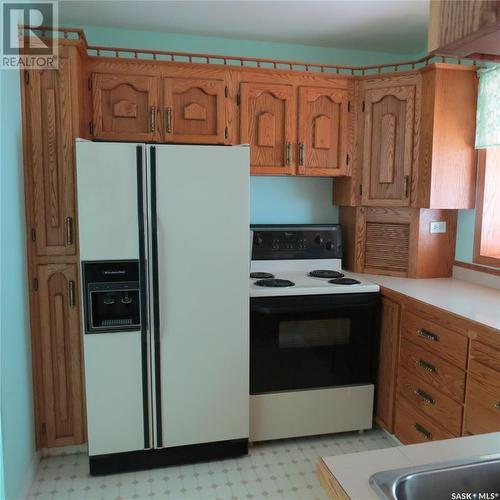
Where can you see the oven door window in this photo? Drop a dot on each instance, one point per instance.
(307, 344)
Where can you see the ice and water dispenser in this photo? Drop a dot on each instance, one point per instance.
(112, 296)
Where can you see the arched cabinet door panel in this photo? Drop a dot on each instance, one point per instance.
(323, 122)
(267, 123)
(58, 334)
(194, 111)
(125, 107)
(389, 143)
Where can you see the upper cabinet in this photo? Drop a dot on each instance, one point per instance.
(388, 140)
(125, 107)
(51, 120)
(267, 123)
(194, 110)
(467, 29)
(323, 118)
(415, 141)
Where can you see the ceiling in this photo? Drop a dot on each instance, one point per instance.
(398, 27)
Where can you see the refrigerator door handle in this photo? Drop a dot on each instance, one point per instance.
(143, 277)
(155, 297)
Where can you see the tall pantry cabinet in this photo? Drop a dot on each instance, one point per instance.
(51, 102)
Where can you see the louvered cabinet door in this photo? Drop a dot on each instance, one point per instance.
(125, 107)
(388, 145)
(50, 174)
(58, 332)
(322, 123)
(194, 111)
(267, 123)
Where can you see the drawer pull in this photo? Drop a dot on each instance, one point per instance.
(426, 366)
(422, 430)
(71, 293)
(497, 405)
(425, 397)
(428, 335)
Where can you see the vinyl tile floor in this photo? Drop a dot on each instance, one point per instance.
(274, 470)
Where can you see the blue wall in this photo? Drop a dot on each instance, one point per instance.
(16, 388)
(465, 235)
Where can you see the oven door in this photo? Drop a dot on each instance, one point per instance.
(301, 342)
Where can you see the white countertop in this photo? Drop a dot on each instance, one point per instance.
(353, 471)
(475, 302)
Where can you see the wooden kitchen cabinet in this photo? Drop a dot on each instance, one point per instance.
(267, 123)
(388, 151)
(323, 127)
(125, 107)
(464, 28)
(387, 364)
(51, 108)
(57, 325)
(194, 110)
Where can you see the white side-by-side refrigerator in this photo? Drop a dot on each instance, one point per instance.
(163, 238)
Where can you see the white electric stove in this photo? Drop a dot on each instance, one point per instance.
(314, 332)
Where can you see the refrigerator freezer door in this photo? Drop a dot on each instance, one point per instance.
(107, 176)
(203, 259)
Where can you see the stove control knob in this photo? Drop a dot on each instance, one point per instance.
(330, 245)
(318, 240)
(258, 240)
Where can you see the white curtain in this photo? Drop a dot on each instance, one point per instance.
(488, 108)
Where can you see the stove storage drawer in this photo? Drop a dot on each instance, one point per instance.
(427, 400)
(439, 340)
(411, 426)
(435, 371)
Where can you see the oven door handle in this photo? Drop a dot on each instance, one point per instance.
(296, 308)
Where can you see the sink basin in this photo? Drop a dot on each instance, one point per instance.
(445, 480)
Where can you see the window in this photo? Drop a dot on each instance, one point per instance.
(487, 232)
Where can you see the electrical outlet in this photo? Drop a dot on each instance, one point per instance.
(438, 227)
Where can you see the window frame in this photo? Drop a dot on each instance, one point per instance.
(478, 257)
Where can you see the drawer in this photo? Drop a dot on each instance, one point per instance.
(411, 426)
(433, 370)
(485, 355)
(424, 397)
(445, 343)
(482, 406)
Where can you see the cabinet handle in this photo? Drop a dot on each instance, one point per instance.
(426, 366)
(407, 186)
(168, 120)
(422, 430)
(69, 231)
(426, 334)
(497, 405)
(425, 397)
(153, 118)
(301, 153)
(71, 293)
(288, 153)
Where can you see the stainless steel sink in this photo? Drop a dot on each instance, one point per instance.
(477, 476)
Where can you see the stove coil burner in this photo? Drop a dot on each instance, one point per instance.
(344, 281)
(325, 273)
(275, 283)
(260, 276)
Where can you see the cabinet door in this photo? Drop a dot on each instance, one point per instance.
(388, 358)
(388, 145)
(125, 107)
(58, 331)
(50, 191)
(194, 110)
(267, 119)
(323, 118)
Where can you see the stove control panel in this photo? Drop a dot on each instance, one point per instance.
(313, 241)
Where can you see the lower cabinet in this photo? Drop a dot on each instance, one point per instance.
(435, 382)
(57, 327)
